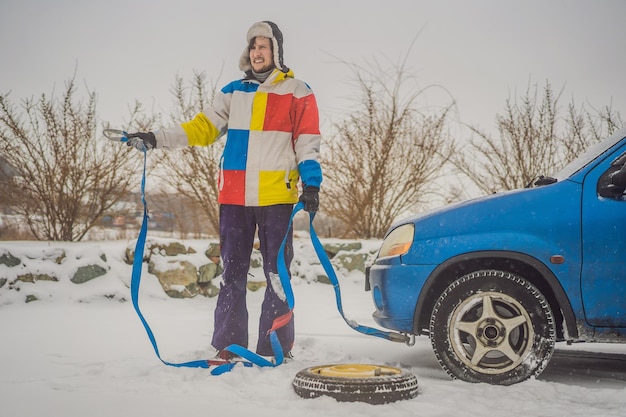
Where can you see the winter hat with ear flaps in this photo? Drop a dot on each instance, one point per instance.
(268, 30)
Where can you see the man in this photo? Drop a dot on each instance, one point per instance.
(271, 123)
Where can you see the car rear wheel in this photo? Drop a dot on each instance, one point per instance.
(494, 327)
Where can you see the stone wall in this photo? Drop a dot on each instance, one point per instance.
(184, 269)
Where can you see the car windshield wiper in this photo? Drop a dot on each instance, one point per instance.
(540, 181)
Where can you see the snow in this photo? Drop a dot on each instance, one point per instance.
(80, 350)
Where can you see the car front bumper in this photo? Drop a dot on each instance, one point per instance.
(395, 290)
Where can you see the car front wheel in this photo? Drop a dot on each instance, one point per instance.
(494, 327)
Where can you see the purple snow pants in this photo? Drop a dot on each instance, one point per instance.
(237, 228)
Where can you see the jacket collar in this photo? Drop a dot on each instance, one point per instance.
(275, 77)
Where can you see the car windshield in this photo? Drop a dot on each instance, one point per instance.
(589, 155)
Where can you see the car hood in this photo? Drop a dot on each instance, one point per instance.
(516, 210)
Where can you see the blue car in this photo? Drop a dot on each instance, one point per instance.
(496, 281)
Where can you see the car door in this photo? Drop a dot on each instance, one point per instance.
(603, 280)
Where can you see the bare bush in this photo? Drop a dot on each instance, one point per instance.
(386, 154)
(192, 172)
(62, 176)
(535, 137)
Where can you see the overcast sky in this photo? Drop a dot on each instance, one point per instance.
(479, 52)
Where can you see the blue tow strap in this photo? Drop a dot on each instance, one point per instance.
(136, 277)
(332, 276)
(249, 358)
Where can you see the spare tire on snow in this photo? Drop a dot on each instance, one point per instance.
(373, 384)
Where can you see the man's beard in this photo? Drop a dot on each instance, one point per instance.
(265, 68)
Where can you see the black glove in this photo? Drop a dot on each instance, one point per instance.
(142, 140)
(311, 198)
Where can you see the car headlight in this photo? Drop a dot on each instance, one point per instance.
(398, 242)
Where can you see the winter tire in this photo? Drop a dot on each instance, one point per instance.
(371, 384)
(493, 327)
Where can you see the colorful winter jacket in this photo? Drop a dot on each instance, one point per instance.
(272, 139)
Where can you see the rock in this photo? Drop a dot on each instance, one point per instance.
(213, 251)
(155, 247)
(87, 273)
(208, 289)
(129, 255)
(323, 279)
(351, 261)
(189, 291)
(30, 298)
(170, 249)
(56, 255)
(256, 285)
(333, 249)
(178, 278)
(209, 271)
(9, 260)
(30, 277)
(256, 260)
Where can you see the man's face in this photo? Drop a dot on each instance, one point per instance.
(261, 55)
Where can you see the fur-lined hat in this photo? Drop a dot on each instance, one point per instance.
(268, 30)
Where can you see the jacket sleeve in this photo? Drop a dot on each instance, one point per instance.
(202, 130)
(307, 138)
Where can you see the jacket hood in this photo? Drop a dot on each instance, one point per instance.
(268, 30)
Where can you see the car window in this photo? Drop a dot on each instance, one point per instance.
(612, 182)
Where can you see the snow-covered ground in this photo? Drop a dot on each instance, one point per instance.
(80, 350)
